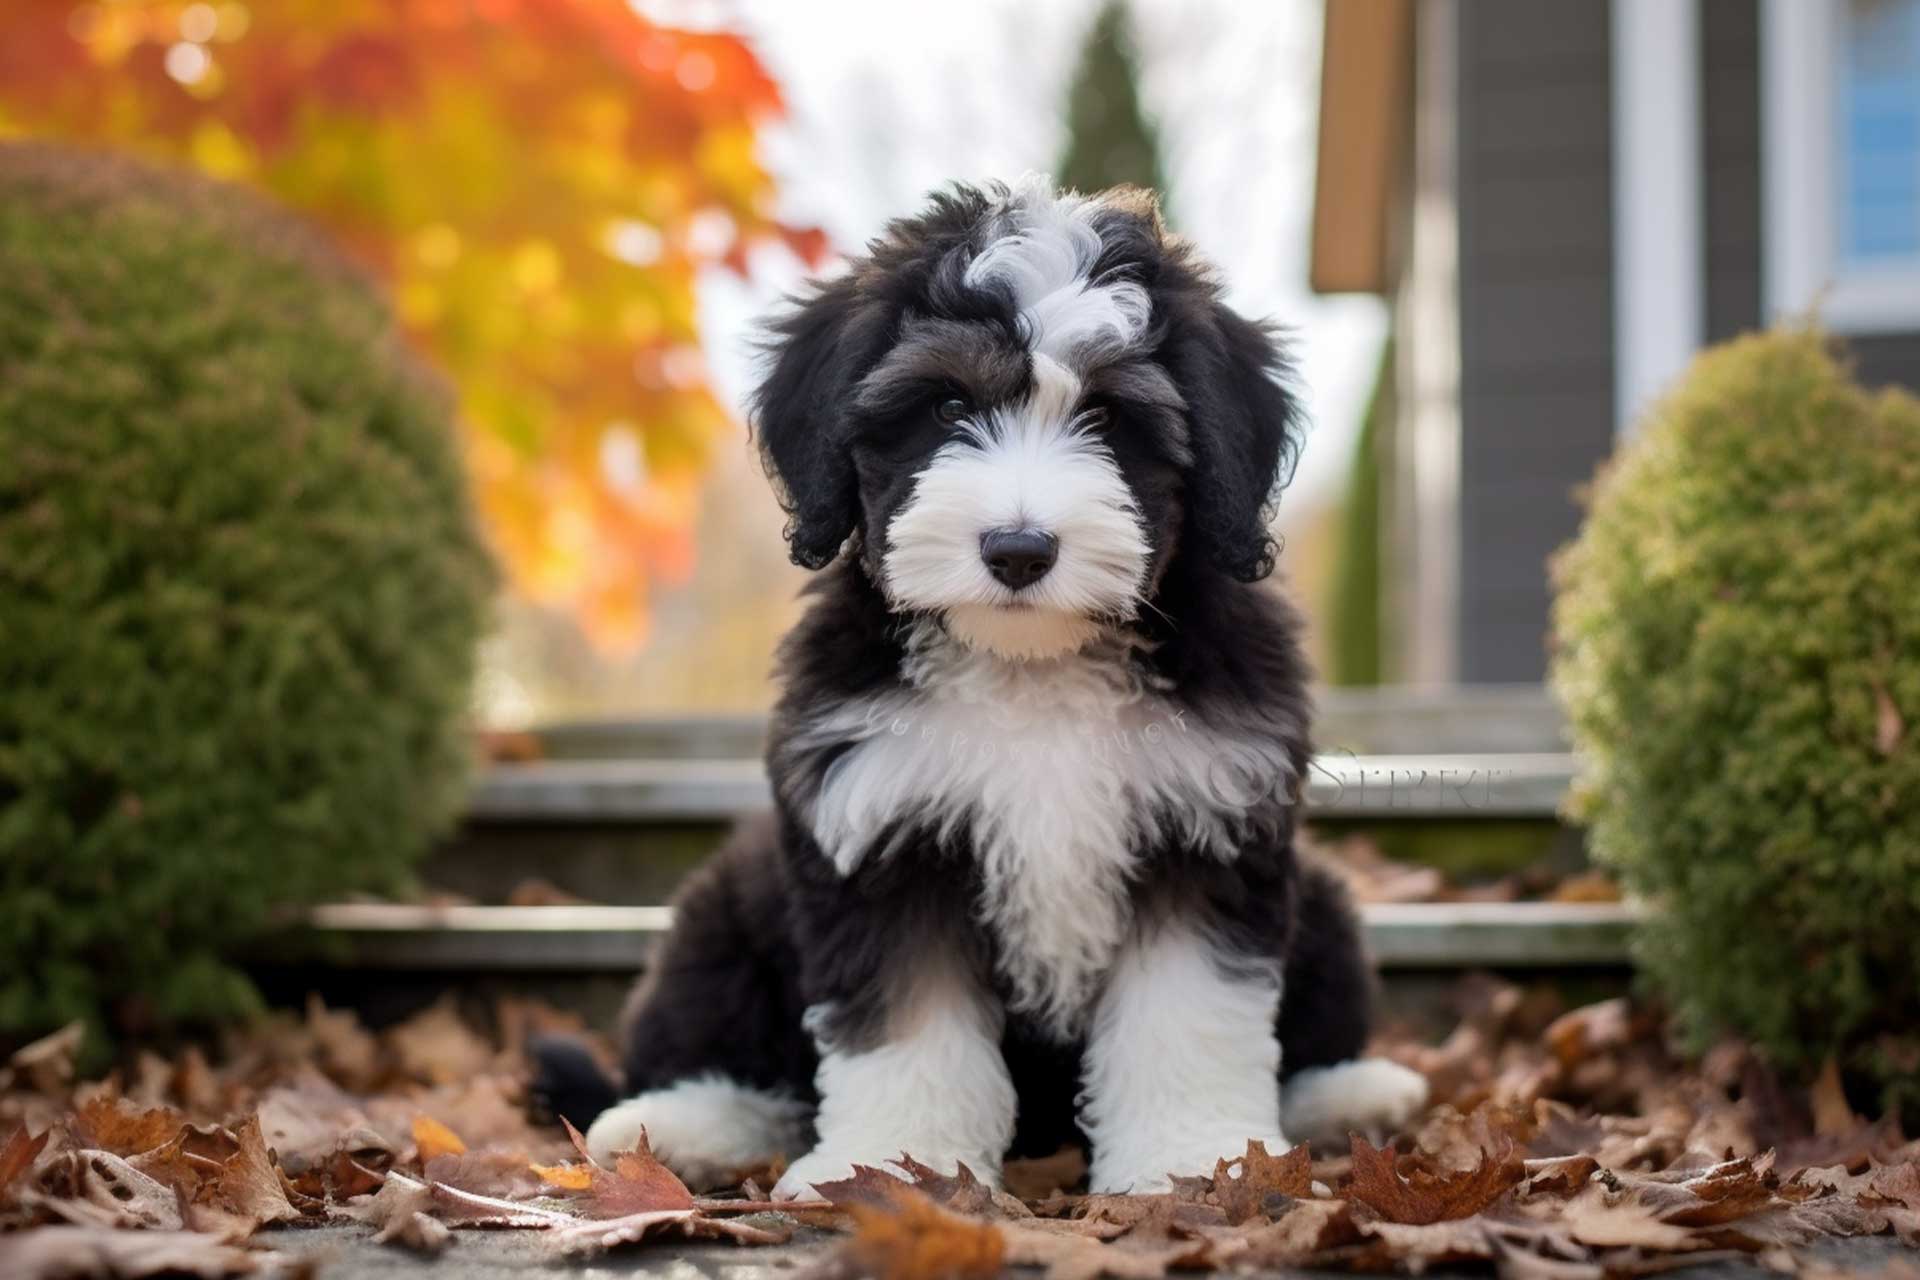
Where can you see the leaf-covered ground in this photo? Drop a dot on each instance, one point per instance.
(1562, 1144)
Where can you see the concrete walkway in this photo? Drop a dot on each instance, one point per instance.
(348, 1253)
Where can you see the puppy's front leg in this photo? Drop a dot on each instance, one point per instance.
(928, 1080)
(1182, 1064)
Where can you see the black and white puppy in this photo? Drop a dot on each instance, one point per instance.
(1037, 757)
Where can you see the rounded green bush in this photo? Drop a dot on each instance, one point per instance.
(241, 587)
(1738, 650)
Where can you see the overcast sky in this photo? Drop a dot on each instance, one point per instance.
(889, 98)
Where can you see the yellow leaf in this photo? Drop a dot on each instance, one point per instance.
(435, 1139)
(568, 1177)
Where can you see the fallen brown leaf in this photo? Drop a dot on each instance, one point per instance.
(914, 1239)
(1832, 1114)
(108, 1122)
(18, 1154)
(1245, 1186)
(436, 1046)
(346, 1051)
(45, 1065)
(1429, 1196)
(66, 1253)
(126, 1196)
(577, 1238)
(638, 1183)
(248, 1185)
(1559, 1175)
(506, 1174)
(1043, 1176)
(415, 1231)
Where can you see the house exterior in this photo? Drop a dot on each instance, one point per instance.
(1563, 200)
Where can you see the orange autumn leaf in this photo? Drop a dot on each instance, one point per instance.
(915, 1239)
(539, 182)
(567, 1177)
(1429, 1196)
(435, 1139)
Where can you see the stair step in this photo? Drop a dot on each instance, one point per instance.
(1518, 785)
(1390, 720)
(1440, 935)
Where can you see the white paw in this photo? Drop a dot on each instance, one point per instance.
(1371, 1095)
(707, 1129)
(1151, 1171)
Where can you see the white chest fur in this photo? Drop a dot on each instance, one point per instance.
(1058, 773)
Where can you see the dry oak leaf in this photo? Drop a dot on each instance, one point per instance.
(1307, 1229)
(1429, 1197)
(1832, 1115)
(436, 1046)
(1068, 1255)
(915, 1239)
(638, 1183)
(248, 1185)
(1600, 1028)
(195, 1154)
(574, 1237)
(1037, 1178)
(962, 1191)
(415, 1231)
(1245, 1186)
(1706, 1197)
(47, 1064)
(18, 1155)
(123, 1195)
(68, 1253)
(434, 1139)
(347, 1051)
(108, 1122)
(1602, 1218)
(1559, 1175)
(506, 1174)
(400, 1211)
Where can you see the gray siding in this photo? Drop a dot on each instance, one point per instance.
(1730, 147)
(1536, 310)
(1730, 102)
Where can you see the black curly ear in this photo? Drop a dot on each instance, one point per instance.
(819, 348)
(1244, 432)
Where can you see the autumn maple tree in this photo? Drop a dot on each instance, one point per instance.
(538, 181)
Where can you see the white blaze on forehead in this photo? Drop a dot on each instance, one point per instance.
(1046, 257)
(1025, 466)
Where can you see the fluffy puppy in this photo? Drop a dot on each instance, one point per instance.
(1037, 756)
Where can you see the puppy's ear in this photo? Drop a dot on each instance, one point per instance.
(819, 348)
(1244, 431)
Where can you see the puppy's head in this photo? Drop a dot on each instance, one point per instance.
(1023, 402)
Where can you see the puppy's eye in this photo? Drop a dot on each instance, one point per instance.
(952, 409)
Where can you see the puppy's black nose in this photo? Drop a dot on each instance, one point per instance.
(1019, 557)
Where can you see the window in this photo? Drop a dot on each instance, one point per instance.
(1841, 101)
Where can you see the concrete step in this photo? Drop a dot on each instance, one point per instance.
(590, 939)
(1507, 719)
(1341, 787)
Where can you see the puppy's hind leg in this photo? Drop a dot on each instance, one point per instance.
(719, 1070)
(1327, 1089)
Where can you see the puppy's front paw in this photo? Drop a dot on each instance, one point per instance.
(821, 1164)
(1150, 1170)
